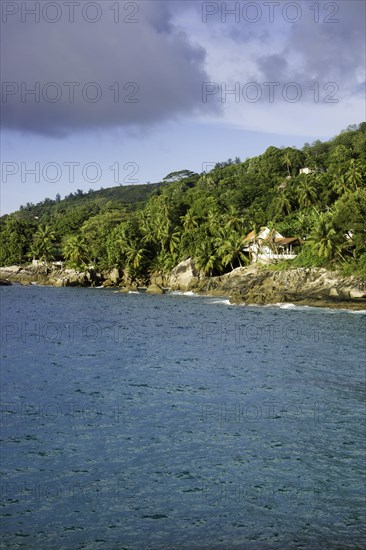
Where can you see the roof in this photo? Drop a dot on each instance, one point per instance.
(279, 239)
(253, 234)
(286, 240)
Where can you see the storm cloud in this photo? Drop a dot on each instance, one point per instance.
(128, 69)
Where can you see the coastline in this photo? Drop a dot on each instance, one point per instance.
(312, 287)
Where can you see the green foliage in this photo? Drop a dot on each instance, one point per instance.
(150, 228)
(42, 247)
(75, 252)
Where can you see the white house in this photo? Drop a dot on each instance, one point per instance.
(268, 245)
(306, 171)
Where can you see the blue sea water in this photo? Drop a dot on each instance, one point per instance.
(179, 422)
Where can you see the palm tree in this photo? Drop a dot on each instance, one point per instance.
(205, 257)
(175, 238)
(232, 218)
(323, 239)
(286, 159)
(307, 193)
(189, 221)
(353, 175)
(282, 204)
(230, 248)
(134, 254)
(75, 251)
(339, 185)
(43, 240)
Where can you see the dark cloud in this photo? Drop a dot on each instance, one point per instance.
(324, 51)
(164, 69)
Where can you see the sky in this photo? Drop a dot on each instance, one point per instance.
(104, 93)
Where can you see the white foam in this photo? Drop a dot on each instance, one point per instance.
(226, 302)
(181, 293)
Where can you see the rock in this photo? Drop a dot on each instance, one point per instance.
(4, 282)
(12, 268)
(108, 283)
(357, 293)
(154, 289)
(124, 290)
(114, 276)
(333, 292)
(157, 279)
(184, 275)
(132, 287)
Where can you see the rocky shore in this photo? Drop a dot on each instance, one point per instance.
(260, 285)
(249, 285)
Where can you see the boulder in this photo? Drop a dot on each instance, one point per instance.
(4, 282)
(114, 276)
(157, 279)
(154, 289)
(59, 283)
(333, 292)
(184, 276)
(357, 293)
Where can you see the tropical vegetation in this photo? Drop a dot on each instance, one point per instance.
(150, 228)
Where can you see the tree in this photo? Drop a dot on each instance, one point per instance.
(232, 219)
(287, 161)
(75, 251)
(190, 221)
(324, 241)
(282, 204)
(339, 185)
(353, 175)
(205, 257)
(230, 248)
(349, 219)
(180, 174)
(307, 192)
(43, 243)
(15, 239)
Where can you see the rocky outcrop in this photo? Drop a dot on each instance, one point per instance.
(53, 276)
(185, 276)
(154, 289)
(314, 286)
(250, 285)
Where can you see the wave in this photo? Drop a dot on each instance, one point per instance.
(223, 301)
(181, 293)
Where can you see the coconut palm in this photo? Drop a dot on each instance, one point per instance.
(205, 257)
(323, 240)
(75, 251)
(353, 176)
(43, 240)
(282, 204)
(232, 219)
(307, 193)
(175, 238)
(134, 254)
(286, 160)
(189, 221)
(339, 185)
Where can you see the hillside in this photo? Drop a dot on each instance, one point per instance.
(150, 228)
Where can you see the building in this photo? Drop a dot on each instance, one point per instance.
(306, 171)
(268, 246)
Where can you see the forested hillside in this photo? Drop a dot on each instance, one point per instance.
(151, 228)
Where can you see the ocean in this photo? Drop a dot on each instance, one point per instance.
(134, 421)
